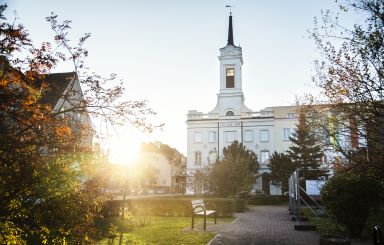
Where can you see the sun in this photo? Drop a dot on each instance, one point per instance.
(123, 149)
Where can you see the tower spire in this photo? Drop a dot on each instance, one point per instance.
(230, 32)
(230, 29)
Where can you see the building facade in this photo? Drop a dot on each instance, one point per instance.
(163, 167)
(63, 94)
(267, 130)
(262, 131)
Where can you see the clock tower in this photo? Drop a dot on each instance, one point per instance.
(230, 100)
(262, 132)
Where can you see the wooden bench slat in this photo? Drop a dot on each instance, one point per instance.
(207, 212)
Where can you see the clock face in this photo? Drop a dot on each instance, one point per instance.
(230, 72)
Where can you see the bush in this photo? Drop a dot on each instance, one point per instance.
(161, 206)
(348, 199)
(241, 205)
(111, 208)
(264, 199)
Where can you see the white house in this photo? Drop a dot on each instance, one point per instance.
(163, 168)
(63, 94)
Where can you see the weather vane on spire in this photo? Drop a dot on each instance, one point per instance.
(230, 8)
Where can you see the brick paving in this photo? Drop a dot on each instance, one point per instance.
(263, 225)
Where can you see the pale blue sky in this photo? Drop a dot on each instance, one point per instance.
(166, 51)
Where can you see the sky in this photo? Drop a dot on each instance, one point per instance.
(167, 52)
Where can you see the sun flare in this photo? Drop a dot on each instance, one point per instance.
(124, 150)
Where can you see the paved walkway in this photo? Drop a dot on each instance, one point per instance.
(263, 225)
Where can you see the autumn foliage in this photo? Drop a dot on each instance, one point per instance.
(49, 190)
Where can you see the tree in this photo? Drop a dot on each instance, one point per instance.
(305, 151)
(235, 172)
(348, 197)
(199, 182)
(281, 167)
(48, 191)
(350, 76)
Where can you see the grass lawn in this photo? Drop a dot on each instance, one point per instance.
(165, 230)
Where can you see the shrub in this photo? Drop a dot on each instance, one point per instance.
(111, 208)
(348, 198)
(161, 206)
(264, 199)
(240, 205)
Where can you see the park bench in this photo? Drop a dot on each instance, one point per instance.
(199, 209)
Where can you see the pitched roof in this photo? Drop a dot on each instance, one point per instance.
(57, 83)
(164, 149)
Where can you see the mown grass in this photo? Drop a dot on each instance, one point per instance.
(163, 230)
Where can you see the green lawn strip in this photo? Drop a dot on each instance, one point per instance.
(165, 230)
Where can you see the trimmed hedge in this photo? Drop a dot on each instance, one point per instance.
(241, 205)
(264, 199)
(162, 206)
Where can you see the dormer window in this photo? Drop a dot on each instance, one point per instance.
(230, 77)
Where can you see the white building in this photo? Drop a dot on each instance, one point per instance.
(63, 94)
(162, 169)
(263, 131)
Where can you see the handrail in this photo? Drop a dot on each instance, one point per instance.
(309, 206)
(322, 209)
(313, 200)
(377, 236)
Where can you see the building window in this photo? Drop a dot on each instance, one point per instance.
(230, 136)
(197, 158)
(286, 134)
(248, 135)
(197, 137)
(362, 139)
(264, 135)
(62, 113)
(324, 159)
(291, 115)
(230, 78)
(264, 156)
(230, 114)
(212, 157)
(212, 136)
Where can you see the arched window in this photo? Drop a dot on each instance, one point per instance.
(230, 114)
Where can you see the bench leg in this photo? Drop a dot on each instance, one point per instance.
(193, 220)
(215, 219)
(205, 222)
